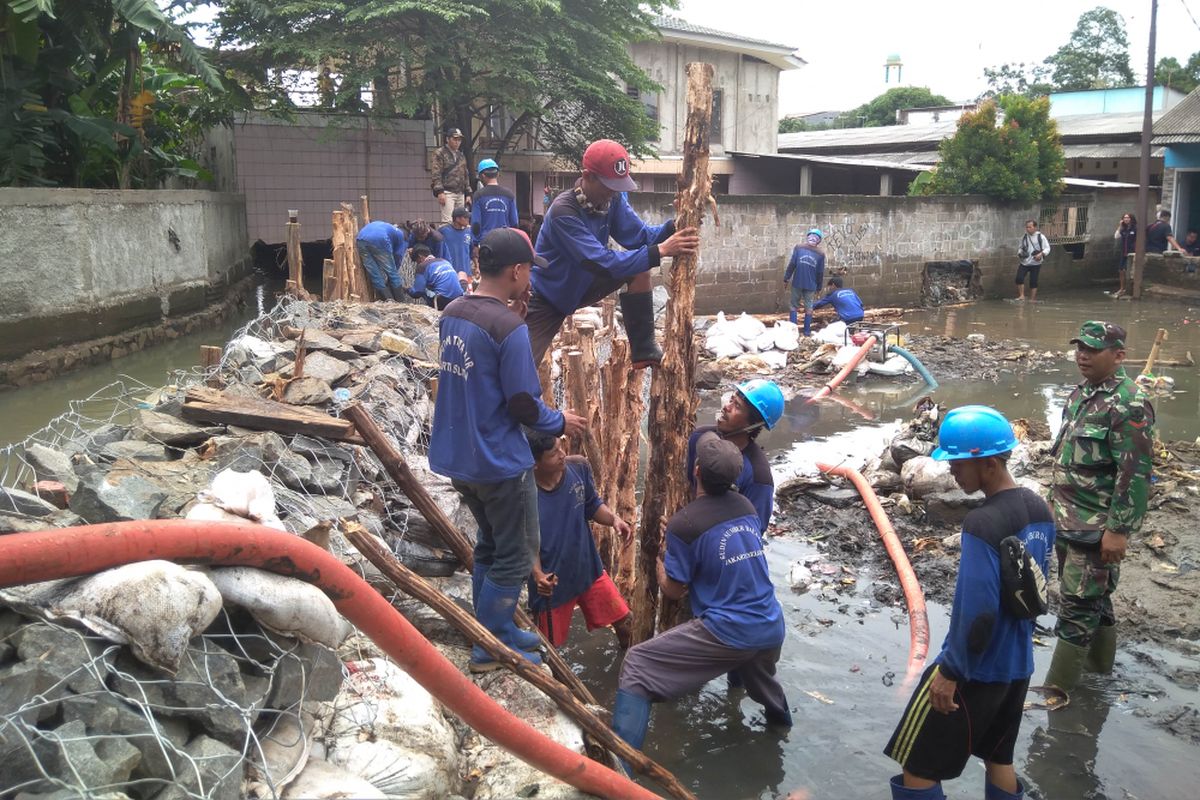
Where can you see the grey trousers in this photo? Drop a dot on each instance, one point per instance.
(544, 320)
(686, 657)
(509, 536)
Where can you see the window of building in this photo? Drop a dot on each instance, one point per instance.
(714, 133)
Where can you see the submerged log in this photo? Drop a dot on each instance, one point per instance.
(672, 390)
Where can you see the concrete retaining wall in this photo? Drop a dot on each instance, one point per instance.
(883, 243)
(85, 264)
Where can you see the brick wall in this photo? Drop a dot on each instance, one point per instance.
(317, 162)
(882, 242)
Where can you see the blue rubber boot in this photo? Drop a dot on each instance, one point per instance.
(495, 610)
(477, 575)
(902, 792)
(993, 792)
(793, 316)
(630, 719)
(808, 324)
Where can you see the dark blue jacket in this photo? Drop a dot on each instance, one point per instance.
(384, 236)
(456, 247)
(845, 302)
(492, 207)
(806, 268)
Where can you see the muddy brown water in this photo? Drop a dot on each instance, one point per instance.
(843, 650)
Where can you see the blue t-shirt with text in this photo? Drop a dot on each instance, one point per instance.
(568, 549)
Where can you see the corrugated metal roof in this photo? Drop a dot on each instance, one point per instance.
(1102, 151)
(665, 23)
(1180, 125)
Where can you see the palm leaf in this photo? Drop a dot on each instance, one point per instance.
(28, 10)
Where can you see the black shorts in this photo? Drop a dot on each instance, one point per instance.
(1031, 270)
(937, 746)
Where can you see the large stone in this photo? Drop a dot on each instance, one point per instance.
(307, 391)
(323, 367)
(328, 476)
(257, 451)
(304, 672)
(923, 476)
(951, 507)
(14, 501)
(836, 496)
(159, 740)
(66, 654)
(171, 431)
(29, 691)
(136, 450)
(366, 341)
(212, 771)
(69, 754)
(311, 447)
(116, 497)
(52, 464)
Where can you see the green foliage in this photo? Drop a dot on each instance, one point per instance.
(1096, 56)
(1028, 80)
(72, 75)
(1019, 159)
(1185, 78)
(882, 110)
(560, 66)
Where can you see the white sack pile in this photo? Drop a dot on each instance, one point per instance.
(749, 340)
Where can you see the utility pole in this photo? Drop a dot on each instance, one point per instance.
(1139, 248)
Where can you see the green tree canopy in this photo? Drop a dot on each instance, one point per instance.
(1185, 77)
(882, 110)
(1096, 56)
(1019, 159)
(561, 67)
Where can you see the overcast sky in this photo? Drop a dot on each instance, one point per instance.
(944, 44)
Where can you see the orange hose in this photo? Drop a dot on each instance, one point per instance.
(70, 552)
(846, 370)
(914, 598)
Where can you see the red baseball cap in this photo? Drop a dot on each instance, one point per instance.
(609, 162)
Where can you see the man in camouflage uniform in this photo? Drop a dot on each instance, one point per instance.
(451, 182)
(1102, 463)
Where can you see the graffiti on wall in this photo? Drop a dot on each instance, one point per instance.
(853, 244)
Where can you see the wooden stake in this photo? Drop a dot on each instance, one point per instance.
(578, 386)
(672, 390)
(294, 257)
(458, 543)
(415, 586)
(366, 209)
(1159, 338)
(545, 373)
(329, 284)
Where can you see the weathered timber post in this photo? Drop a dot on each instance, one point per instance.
(366, 209)
(295, 259)
(672, 388)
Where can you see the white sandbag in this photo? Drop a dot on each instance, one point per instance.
(834, 333)
(722, 346)
(155, 607)
(259, 348)
(844, 355)
(388, 730)
(284, 605)
(747, 327)
(923, 476)
(246, 494)
(765, 340)
(786, 335)
(752, 362)
(896, 365)
(321, 780)
(719, 326)
(767, 361)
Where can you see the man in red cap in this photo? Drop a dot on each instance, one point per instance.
(580, 267)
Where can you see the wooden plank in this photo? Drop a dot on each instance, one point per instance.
(1159, 338)
(294, 256)
(210, 405)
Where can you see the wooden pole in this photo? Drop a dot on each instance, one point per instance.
(545, 378)
(412, 584)
(366, 209)
(578, 386)
(294, 257)
(672, 389)
(398, 470)
(1159, 338)
(328, 280)
(1143, 201)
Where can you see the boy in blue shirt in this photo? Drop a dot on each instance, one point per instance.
(977, 684)
(434, 279)
(381, 247)
(845, 302)
(806, 272)
(570, 571)
(487, 389)
(714, 553)
(456, 242)
(493, 206)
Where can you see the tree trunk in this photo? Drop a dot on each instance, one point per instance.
(672, 389)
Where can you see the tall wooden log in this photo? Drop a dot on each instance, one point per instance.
(546, 379)
(672, 389)
(577, 385)
(366, 209)
(397, 468)
(328, 280)
(415, 586)
(614, 378)
(295, 259)
(341, 258)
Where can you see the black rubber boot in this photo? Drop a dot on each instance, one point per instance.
(637, 309)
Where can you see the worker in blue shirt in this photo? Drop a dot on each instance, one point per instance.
(714, 553)
(753, 406)
(806, 272)
(435, 280)
(487, 389)
(456, 242)
(977, 684)
(421, 232)
(494, 206)
(569, 571)
(581, 269)
(381, 247)
(845, 302)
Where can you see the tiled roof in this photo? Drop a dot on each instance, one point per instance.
(674, 24)
(1180, 125)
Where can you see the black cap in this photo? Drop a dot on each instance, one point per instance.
(454, 132)
(502, 247)
(720, 461)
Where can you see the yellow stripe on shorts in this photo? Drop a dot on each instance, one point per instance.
(913, 720)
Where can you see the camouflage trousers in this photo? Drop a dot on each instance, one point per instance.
(1085, 587)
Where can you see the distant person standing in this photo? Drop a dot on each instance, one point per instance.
(1159, 235)
(845, 302)
(456, 242)
(1099, 492)
(1127, 237)
(451, 182)
(547, 198)
(1033, 249)
(806, 271)
(494, 206)
(1191, 244)
(381, 247)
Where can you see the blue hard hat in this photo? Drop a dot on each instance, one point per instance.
(973, 432)
(765, 397)
(815, 232)
(487, 164)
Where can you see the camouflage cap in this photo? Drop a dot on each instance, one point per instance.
(1100, 335)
